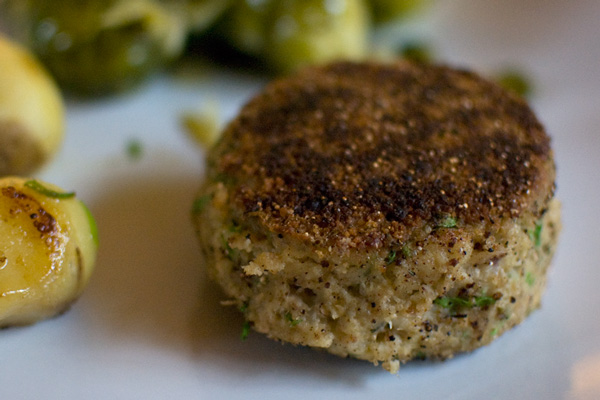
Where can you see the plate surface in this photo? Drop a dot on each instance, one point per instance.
(150, 325)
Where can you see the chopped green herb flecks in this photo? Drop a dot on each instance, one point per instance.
(391, 257)
(484, 301)
(494, 332)
(229, 252)
(420, 356)
(456, 303)
(406, 251)
(452, 302)
(38, 187)
(234, 227)
(529, 279)
(536, 234)
(134, 149)
(245, 330)
(200, 204)
(515, 81)
(291, 320)
(225, 179)
(244, 307)
(447, 222)
(418, 52)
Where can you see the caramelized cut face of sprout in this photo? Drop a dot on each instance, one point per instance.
(47, 253)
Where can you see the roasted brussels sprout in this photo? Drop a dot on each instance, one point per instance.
(293, 33)
(31, 112)
(316, 31)
(95, 47)
(47, 253)
(103, 46)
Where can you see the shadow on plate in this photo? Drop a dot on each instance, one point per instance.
(218, 340)
(146, 276)
(149, 290)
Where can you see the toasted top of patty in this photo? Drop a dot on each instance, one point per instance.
(361, 155)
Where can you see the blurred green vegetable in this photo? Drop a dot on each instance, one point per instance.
(316, 31)
(289, 34)
(97, 47)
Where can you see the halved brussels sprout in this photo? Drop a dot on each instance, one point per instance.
(95, 47)
(47, 252)
(317, 31)
(31, 112)
(289, 34)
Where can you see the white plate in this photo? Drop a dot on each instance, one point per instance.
(150, 326)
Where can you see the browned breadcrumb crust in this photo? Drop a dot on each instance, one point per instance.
(361, 155)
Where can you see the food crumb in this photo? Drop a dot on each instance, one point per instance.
(134, 149)
(418, 52)
(202, 126)
(515, 81)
